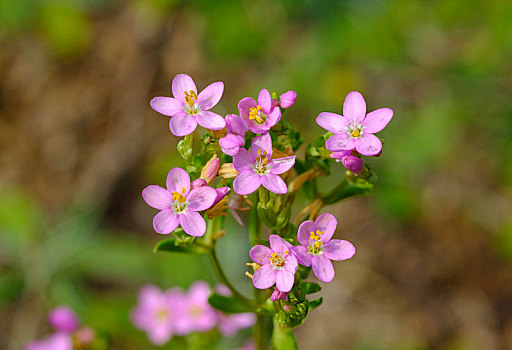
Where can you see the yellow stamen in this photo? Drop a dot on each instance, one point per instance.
(318, 244)
(356, 133)
(190, 98)
(255, 114)
(178, 197)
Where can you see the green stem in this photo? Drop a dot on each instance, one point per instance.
(334, 194)
(259, 333)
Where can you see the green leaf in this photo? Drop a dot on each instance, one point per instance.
(228, 304)
(171, 245)
(310, 288)
(313, 304)
(283, 338)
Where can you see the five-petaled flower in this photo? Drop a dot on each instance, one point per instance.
(317, 249)
(259, 116)
(355, 128)
(278, 264)
(188, 108)
(258, 168)
(179, 204)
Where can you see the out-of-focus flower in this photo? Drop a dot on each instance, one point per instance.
(248, 345)
(355, 128)
(286, 100)
(317, 249)
(57, 341)
(63, 319)
(235, 202)
(187, 108)
(210, 170)
(229, 324)
(178, 204)
(278, 295)
(234, 139)
(278, 265)
(197, 314)
(349, 161)
(258, 168)
(259, 116)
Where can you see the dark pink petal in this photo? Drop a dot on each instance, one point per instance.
(246, 182)
(201, 198)
(287, 99)
(192, 223)
(243, 160)
(377, 120)
(274, 183)
(340, 142)
(236, 124)
(221, 193)
(210, 120)
(291, 261)
(327, 223)
(263, 142)
(338, 249)
(157, 197)
(281, 165)
(351, 162)
(332, 122)
(177, 180)
(368, 144)
(260, 254)
(180, 84)
(354, 107)
(322, 268)
(182, 124)
(304, 233)
(278, 245)
(244, 107)
(303, 255)
(210, 96)
(264, 277)
(265, 101)
(167, 105)
(165, 221)
(284, 280)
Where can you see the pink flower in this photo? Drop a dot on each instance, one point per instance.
(57, 341)
(278, 295)
(278, 265)
(187, 108)
(63, 319)
(355, 128)
(235, 202)
(178, 204)
(156, 313)
(257, 168)
(317, 249)
(349, 161)
(232, 323)
(234, 139)
(286, 100)
(197, 315)
(259, 116)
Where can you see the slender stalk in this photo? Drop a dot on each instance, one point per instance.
(259, 333)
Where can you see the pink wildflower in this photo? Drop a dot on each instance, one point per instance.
(349, 161)
(286, 100)
(278, 265)
(197, 314)
(234, 139)
(258, 168)
(57, 341)
(187, 108)
(259, 116)
(355, 128)
(229, 324)
(317, 249)
(178, 204)
(63, 319)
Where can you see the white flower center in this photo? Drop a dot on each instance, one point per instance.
(261, 163)
(316, 246)
(191, 106)
(354, 129)
(179, 203)
(278, 260)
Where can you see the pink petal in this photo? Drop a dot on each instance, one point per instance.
(354, 107)
(167, 105)
(338, 249)
(157, 197)
(281, 165)
(63, 319)
(210, 96)
(265, 101)
(339, 142)
(192, 223)
(287, 99)
(221, 193)
(284, 280)
(278, 245)
(264, 277)
(322, 268)
(243, 160)
(377, 120)
(159, 334)
(165, 221)
(327, 223)
(332, 122)
(368, 145)
(303, 255)
(291, 261)
(263, 142)
(180, 84)
(210, 120)
(274, 183)
(246, 182)
(201, 198)
(231, 143)
(244, 107)
(272, 118)
(182, 124)
(198, 183)
(177, 180)
(260, 254)
(304, 233)
(236, 124)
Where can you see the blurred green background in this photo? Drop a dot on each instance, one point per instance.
(78, 142)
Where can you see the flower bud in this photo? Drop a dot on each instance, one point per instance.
(63, 319)
(287, 99)
(349, 161)
(221, 193)
(228, 171)
(278, 295)
(210, 170)
(198, 183)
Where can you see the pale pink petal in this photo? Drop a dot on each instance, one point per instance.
(236, 216)
(274, 183)
(326, 223)
(303, 255)
(322, 268)
(284, 280)
(368, 144)
(354, 107)
(210, 96)
(264, 277)
(236, 124)
(332, 122)
(244, 107)
(198, 183)
(278, 245)
(377, 120)
(165, 221)
(63, 319)
(167, 105)
(243, 160)
(281, 165)
(263, 142)
(182, 124)
(201, 198)
(291, 261)
(338, 249)
(246, 182)
(159, 334)
(287, 99)
(180, 84)
(304, 232)
(178, 180)
(340, 142)
(265, 101)
(157, 197)
(260, 254)
(210, 120)
(192, 223)
(272, 118)
(231, 143)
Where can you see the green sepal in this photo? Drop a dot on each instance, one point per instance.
(357, 188)
(228, 304)
(172, 244)
(310, 287)
(313, 304)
